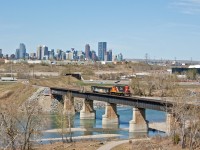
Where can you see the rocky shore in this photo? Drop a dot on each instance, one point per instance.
(49, 105)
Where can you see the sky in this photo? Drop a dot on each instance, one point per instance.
(163, 29)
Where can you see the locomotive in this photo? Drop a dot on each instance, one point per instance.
(122, 90)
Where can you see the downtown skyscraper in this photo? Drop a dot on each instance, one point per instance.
(39, 52)
(102, 46)
(87, 52)
(45, 52)
(42, 52)
(1, 54)
(21, 51)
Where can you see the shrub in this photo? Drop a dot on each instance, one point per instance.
(176, 139)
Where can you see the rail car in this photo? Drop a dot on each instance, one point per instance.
(123, 90)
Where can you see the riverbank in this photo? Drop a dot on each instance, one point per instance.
(81, 145)
(156, 142)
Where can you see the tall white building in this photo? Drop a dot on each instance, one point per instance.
(69, 55)
(39, 52)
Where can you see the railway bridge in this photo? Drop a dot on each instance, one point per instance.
(139, 104)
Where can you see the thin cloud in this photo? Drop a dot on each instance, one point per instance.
(182, 25)
(186, 6)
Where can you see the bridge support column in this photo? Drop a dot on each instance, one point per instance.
(170, 122)
(110, 117)
(68, 104)
(138, 123)
(87, 111)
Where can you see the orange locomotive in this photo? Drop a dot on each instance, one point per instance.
(119, 89)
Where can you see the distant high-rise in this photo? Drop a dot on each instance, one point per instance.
(59, 54)
(32, 55)
(102, 46)
(69, 55)
(109, 55)
(51, 54)
(39, 52)
(1, 53)
(120, 57)
(87, 51)
(94, 56)
(21, 51)
(45, 52)
(17, 53)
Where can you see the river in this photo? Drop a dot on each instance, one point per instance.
(95, 126)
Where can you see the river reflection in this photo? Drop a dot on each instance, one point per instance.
(88, 124)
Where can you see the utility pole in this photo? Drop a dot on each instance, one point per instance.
(11, 70)
(33, 70)
(146, 57)
(98, 70)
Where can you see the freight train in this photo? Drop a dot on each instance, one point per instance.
(122, 90)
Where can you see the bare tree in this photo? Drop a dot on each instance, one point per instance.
(64, 120)
(194, 125)
(64, 124)
(30, 122)
(21, 125)
(186, 122)
(136, 86)
(9, 130)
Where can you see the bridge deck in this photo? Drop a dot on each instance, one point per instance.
(139, 102)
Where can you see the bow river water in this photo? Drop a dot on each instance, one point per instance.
(94, 127)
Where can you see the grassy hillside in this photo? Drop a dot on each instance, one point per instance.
(15, 93)
(55, 82)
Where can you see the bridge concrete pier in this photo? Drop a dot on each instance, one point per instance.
(68, 104)
(170, 122)
(87, 111)
(110, 118)
(138, 123)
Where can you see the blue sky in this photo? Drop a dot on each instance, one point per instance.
(162, 28)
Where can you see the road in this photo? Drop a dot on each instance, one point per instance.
(106, 81)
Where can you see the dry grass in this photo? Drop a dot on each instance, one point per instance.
(81, 145)
(156, 143)
(55, 82)
(6, 94)
(15, 93)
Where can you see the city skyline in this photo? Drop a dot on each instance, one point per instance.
(44, 53)
(164, 29)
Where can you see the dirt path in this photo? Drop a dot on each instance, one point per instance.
(113, 144)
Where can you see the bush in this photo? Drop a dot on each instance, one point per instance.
(176, 139)
(191, 74)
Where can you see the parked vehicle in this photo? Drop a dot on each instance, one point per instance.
(8, 79)
(123, 90)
